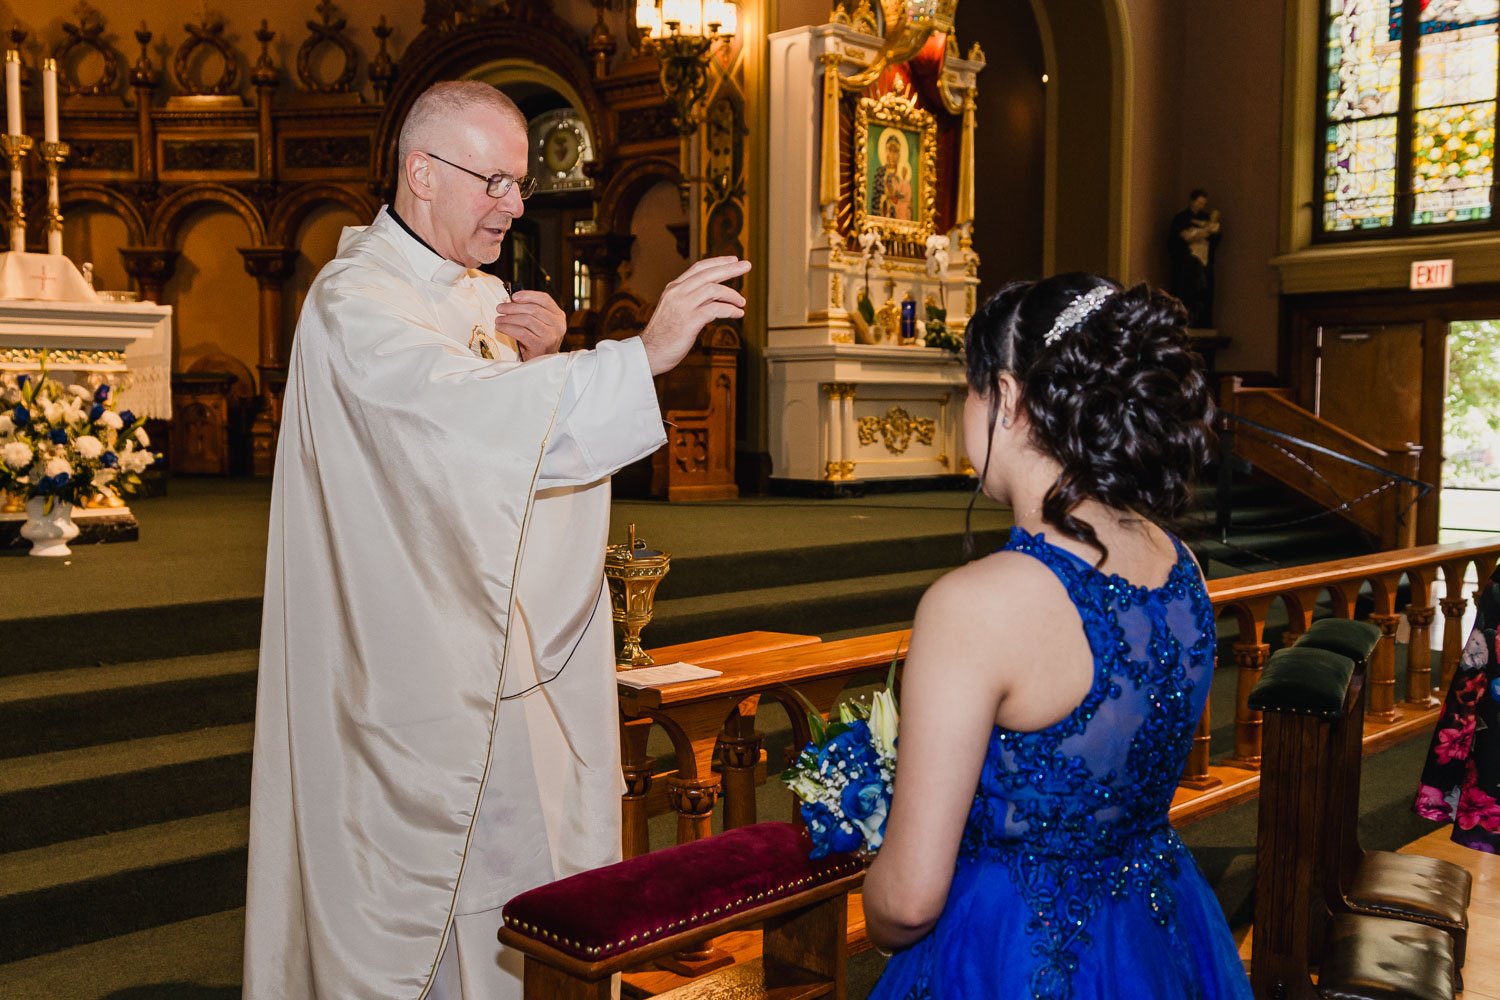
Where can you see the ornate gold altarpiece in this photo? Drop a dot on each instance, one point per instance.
(152, 144)
(873, 134)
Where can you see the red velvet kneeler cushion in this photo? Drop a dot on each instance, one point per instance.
(596, 914)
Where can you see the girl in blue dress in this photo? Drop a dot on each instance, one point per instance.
(1052, 688)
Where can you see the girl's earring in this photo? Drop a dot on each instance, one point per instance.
(1005, 421)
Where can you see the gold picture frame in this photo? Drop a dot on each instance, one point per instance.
(895, 159)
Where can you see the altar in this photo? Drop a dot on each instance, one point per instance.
(871, 257)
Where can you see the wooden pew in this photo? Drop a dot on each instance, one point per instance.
(1303, 693)
(660, 903)
(1379, 883)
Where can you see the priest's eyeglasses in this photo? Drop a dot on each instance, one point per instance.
(500, 185)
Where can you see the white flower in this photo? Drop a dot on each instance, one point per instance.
(140, 435)
(57, 467)
(16, 454)
(135, 461)
(6, 423)
(883, 722)
(81, 391)
(111, 419)
(52, 411)
(89, 446)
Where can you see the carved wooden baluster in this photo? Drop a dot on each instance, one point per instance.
(1250, 654)
(1453, 639)
(1195, 773)
(1381, 684)
(637, 767)
(740, 754)
(1419, 656)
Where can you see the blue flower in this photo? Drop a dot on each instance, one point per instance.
(52, 484)
(854, 748)
(58, 436)
(21, 380)
(20, 415)
(109, 460)
(830, 834)
(96, 412)
(127, 418)
(101, 393)
(860, 799)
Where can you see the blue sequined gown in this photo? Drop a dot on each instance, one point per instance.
(1069, 882)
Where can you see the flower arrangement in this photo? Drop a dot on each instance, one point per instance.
(937, 332)
(845, 777)
(65, 444)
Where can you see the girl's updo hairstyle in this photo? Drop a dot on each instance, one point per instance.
(1117, 397)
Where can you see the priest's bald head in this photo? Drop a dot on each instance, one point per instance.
(463, 152)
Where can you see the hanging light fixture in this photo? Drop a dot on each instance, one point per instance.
(682, 34)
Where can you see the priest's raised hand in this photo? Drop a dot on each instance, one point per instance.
(534, 321)
(696, 298)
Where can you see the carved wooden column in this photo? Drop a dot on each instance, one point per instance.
(1195, 771)
(151, 267)
(270, 266)
(1419, 657)
(1454, 606)
(144, 79)
(1381, 684)
(1249, 658)
(637, 766)
(693, 799)
(265, 76)
(740, 754)
(602, 254)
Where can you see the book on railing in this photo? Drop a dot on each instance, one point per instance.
(664, 673)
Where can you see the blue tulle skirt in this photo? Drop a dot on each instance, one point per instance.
(981, 947)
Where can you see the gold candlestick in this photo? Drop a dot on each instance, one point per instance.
(16, 147)
(53, 155)
(633, 572)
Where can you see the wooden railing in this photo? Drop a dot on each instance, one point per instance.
(1248, 601)
(714, 719)
(1388, 514)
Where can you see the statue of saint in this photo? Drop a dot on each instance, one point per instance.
(1192, 243)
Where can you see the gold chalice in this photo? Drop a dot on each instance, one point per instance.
(633, 572)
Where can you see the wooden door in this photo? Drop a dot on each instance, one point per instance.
(1370, 382)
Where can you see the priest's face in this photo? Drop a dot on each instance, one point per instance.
(470, 225)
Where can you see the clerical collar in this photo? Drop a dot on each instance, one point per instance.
(391, 211)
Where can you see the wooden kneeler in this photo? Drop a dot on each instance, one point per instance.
(579, 931)
(1303, 692)
(1379, 883)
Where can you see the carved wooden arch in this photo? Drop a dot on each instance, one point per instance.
(625, 189)
(292, 211)
(113, 201)
(449, 55)
(166, 227)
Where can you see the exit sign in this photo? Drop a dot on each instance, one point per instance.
(1432, 274)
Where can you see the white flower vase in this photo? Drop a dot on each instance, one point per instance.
(49, 531)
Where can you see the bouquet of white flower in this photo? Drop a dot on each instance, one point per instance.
(66, 443)
(845, 777)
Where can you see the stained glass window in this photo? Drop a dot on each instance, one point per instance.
(1444, 114)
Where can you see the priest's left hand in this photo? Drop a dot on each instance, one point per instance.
(534, 321)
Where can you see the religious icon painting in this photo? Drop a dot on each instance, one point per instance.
(895, 153)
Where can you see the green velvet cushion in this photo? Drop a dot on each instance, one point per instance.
(1356, 640)
(1303, 680)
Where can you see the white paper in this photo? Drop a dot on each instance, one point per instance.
(664, 673)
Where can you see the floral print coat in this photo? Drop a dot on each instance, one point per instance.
(1461, 781)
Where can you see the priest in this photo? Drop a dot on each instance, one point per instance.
(436, 728)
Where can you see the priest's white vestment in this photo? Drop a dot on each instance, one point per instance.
(437, 534)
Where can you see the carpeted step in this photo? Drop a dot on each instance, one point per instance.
(148, 632)
(84, 890)
(66, 709)
(195, 959)
(93, 790)
(701, 576)
(811, 608)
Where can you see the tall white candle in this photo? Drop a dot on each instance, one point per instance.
(49, 100)
(13, 91)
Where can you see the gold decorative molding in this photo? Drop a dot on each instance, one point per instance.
(896, 430)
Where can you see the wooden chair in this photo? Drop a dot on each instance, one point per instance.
(577, 932)
(1303, 692)
(1379, 883)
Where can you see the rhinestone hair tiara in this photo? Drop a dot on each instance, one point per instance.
(1080, 309)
